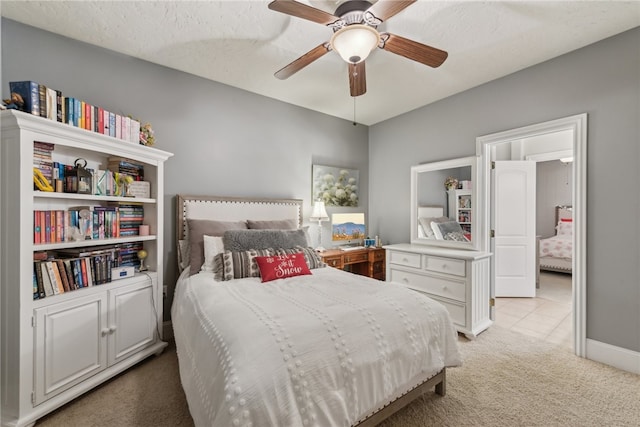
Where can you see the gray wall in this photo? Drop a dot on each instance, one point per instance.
(602, 80)
(225, 141)
(230, 142)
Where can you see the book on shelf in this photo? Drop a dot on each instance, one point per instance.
(63, 274)
(30, 93)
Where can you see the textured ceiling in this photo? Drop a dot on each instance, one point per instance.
(242, 43)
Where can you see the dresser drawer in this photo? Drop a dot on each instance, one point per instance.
(353, 258)
(405, 258)
(428, 284)
(456, 311)
(333, 261)
(377, 255)
(445, 265)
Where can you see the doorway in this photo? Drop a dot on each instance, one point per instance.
(486, 147)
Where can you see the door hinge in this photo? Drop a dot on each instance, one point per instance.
(33, 321)
(493, 165)
(492, 302)
(492, 233)
(33, 398)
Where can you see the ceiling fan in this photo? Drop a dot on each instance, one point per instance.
(355, 35)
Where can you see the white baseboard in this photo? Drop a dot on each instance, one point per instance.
(611, 355)
(167, 331)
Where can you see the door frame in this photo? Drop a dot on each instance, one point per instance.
(578, 125)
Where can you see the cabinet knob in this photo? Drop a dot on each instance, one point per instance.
(405, 260)
(112, 329)
(105, 332)
(405, 280)
(444, 288)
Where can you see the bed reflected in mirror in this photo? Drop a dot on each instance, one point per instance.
(443, 205)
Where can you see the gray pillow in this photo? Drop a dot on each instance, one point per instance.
(200, 227)
(446, 228)
(283, 224)
(243, 240)
(425, 223)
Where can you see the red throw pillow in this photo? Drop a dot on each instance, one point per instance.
(282, 266)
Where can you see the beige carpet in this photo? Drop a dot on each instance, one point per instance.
(507, 380)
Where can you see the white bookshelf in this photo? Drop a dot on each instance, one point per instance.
(58, 347)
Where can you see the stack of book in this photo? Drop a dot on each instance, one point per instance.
(131, 217)
(127, 167)
(128, 254)
(42, 159)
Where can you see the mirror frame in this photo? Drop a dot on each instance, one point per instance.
(471, 161)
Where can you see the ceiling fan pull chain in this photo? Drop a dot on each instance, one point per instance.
(354, 111)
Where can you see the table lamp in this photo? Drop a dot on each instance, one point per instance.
(319, 214)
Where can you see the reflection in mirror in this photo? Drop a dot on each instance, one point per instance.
(443, 203)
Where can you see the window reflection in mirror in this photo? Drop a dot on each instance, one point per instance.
(443, 208)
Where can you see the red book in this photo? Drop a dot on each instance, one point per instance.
(59, 226)
(87, 115)
(83, 269)
(36, 226)
(43, 231)
(100, 120)
(47, 226)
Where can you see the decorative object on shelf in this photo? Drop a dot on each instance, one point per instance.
(40, 181)
(369, 243)
(15, 102)
(335, 186)
(450, 183)
(143, 230)
(142, 255)
(319, 214)
(78, 179)
(123, 183)
(147, 136)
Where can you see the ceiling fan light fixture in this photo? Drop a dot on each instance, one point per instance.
(354, 42)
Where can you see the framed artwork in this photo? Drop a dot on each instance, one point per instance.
(335, 186)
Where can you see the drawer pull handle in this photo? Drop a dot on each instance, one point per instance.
(405, 280)
(444, 288)
(405, 260)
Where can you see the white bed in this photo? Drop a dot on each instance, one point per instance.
(326, 349)
(556, 252)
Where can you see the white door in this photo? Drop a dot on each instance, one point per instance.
(513, 198)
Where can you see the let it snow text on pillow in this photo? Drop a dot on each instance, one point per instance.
(282, 266)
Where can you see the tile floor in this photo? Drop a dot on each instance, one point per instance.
(547, 316)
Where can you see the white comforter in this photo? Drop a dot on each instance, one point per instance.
(325, 350)
(560, 246)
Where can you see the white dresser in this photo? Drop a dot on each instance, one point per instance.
(459, 279)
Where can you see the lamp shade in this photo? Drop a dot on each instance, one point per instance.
(319, 212)
(355, 42)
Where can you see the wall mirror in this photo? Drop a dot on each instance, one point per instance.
(443, 203)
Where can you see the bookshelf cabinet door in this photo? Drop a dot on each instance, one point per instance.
(132, 319)
(70, 344)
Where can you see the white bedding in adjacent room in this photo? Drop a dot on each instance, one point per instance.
(560, 246)
(326, 349)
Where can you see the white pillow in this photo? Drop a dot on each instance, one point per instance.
(212, 246)
(564, 228)
(436, 230)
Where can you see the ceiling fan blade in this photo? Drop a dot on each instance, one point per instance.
(302, 62)
(301, 10)
(357, 79)
(385, 9)
(413, 50)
